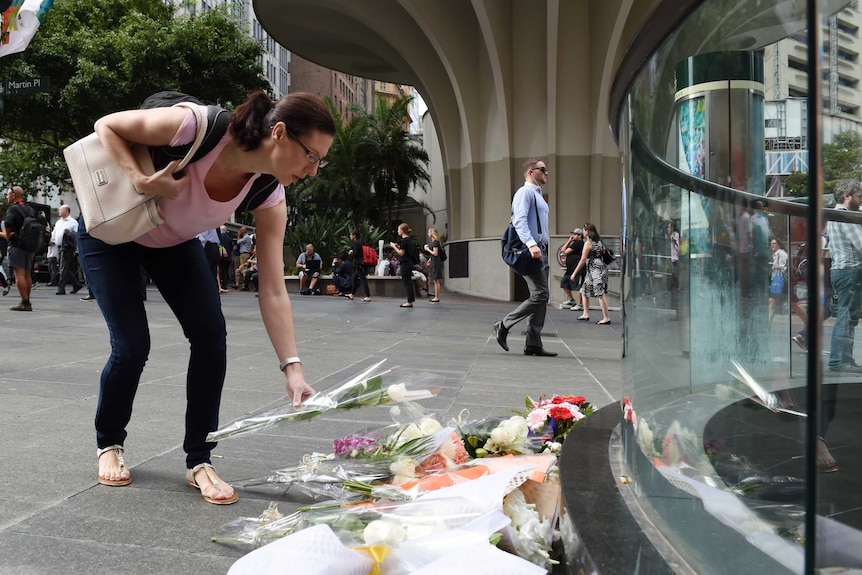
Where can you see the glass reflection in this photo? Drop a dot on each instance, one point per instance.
(716, 145)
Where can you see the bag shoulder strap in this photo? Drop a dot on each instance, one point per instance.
(210, 132)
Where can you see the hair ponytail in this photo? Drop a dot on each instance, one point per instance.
(301, 112)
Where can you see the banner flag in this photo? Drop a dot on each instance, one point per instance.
(19, 24)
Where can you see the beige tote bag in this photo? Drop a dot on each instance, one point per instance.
(113, 210)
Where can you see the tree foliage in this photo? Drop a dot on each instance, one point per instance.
(797, 184)
(107, 55)
(842, 159)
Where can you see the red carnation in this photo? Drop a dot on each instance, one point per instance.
(579, 400)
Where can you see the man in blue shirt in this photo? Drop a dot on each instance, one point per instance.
(530, 220)
(309, 264)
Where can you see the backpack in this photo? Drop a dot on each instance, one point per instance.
(33, 235)
(443, 256)
(218, 120)
(369, 256)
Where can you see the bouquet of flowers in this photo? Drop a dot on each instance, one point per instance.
(553, 418)
(497, 436)
(374, 523)
(369, 457)
(370, 388)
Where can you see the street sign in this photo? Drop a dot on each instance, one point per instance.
(25, 85)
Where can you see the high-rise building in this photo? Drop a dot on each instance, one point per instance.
(275, 58)
(786, 81)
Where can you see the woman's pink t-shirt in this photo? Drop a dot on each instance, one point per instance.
(193, 211)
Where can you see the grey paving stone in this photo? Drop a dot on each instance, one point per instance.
(55, 518)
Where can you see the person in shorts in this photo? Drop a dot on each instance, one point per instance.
(20, 261)
(309, 264)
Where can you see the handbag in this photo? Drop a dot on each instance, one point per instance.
(776, 287)
(516, 254)
(113, 210)
(608, 256)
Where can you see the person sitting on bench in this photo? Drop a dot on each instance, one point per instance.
(309, 264)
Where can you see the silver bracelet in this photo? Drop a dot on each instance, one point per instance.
(287, 362)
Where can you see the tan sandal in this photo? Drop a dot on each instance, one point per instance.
(118, 451)
(209, 469)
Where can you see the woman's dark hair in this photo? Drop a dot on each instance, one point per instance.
(301, 112)
(356, 234)
(593, 233)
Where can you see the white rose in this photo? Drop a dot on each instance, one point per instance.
(397, 392)
(409, 433)
(502, 435)
(429, 426)
(403, 466)
(382, 532)
(519, 425)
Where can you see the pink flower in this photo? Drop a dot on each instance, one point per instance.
(536, 418)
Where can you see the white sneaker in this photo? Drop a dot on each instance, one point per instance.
(577, 307)
(568, 303)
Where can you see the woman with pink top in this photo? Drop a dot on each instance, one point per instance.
(279, 142)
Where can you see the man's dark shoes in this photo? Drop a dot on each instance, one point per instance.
(540, 351)
(501, 333)
(60, 293)
(77, 289)
(22, 307)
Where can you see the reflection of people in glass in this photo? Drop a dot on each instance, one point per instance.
(845, 247)
(779, 266)
(845, 273)
(743, 252)
(673, 237)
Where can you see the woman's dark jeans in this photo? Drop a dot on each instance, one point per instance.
(182, 275)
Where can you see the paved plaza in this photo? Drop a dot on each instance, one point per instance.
(56, 519)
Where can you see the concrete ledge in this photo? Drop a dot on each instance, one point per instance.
(379, 286)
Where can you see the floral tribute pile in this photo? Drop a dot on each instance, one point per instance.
(415, 496)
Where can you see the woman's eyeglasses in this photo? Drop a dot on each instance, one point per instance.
(309, 155)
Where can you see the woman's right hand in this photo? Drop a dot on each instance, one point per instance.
(297, 388)
(164, 183)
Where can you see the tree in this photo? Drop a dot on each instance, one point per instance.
(842, 159)
(374, 163)
(398, 158)
(107, 55)
(346, 181)
(797, 184)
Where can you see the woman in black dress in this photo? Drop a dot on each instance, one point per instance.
(404, 249)
(436, 272)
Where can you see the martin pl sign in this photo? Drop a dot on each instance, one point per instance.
(24, 86)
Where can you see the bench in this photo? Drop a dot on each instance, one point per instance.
(379, 286)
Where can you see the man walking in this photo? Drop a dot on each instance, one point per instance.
(845, 247)
(20, 261)
(530, 220)
(65, 237)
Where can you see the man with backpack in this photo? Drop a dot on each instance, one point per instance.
(363, 258)
(25, 240)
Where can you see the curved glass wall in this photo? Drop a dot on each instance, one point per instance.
(743, 282)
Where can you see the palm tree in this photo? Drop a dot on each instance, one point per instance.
(346, 181)
(398, 158)
(374, 162)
